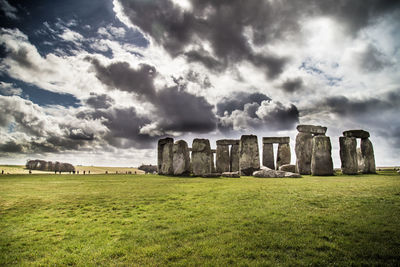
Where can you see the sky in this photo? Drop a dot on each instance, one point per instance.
(99, 82)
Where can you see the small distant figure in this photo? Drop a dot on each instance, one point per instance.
(84, 172)
(30, 172)
(55, 172)
(126, 172)
(77, 172)
(135, 172)
(2, 171)
(89, 172)
(73, 172)
(106, 172)
(116, 172)
(60, 172)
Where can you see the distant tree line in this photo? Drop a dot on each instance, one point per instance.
(148, 168)
(42, 165)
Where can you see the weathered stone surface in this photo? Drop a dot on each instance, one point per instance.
(234, 158)
(276, 140)
(348, 155)
(231, 174)
(181, 158)
(201, 157)
(269, 173)
(283, 156)
(356, 133)
(292, 175)
(312, 129)
(367, 152)
(165, 156)
(212, 161)
(222, 158)
(321, 161)
(268, 156)
(303, 151)
(288, 168)
(227, 142)
(360, 160)
(249, 156)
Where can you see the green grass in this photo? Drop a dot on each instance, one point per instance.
(154, 220)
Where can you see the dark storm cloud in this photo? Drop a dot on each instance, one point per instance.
(11, 147)
(177, 109)
(224, 25)
(121, 76)
(373, 59)
(124, 126)
(99, 101)
(238, 100)
(292, 85)
(244, 111)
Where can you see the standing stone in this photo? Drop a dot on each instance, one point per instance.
(360, 160)
(201, 157)
(181, 158)
(303, 151)
(283, 157)
(249, 158)
(234, 158)
(268, 156)
(165, 156)
(321, 161)
(348, 155)
(367, 152)
(222, 158)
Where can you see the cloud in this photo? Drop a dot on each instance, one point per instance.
(102, 101)
(371, 59)
(176, 109)
(9, 10)
(246, 112)
(292, 85)
(9, 89)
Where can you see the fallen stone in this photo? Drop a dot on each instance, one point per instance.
(249, 157)
(269, 173)
(165, 156)
(181, 158)
(234, 158)
(321, 161)
(312, 129)
(227, 142)
(222, 158)
(367, 152)
(356, 134)
(292, 175)
(303, 151)
(288, 168)
(268, 156)
(212, 175)
(283, 156)
(276, 140)
(231, 174)
(201, 157)
(348, 155)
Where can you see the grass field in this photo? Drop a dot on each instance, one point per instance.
(153, 220)
(20, 169)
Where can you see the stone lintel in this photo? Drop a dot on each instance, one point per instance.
(276, 140)
(356, 133)
(227, 142)
(213, 151)
(313, 129)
